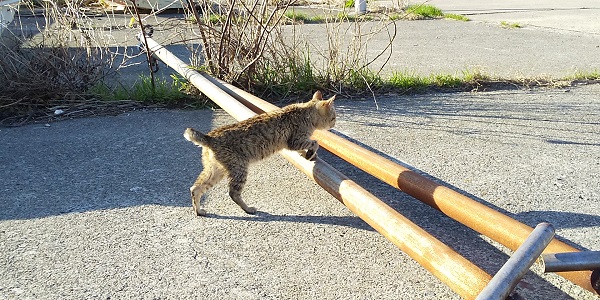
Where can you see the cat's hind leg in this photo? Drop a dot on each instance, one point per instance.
(237, 180)
(210, 176)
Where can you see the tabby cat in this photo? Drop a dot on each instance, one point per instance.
(230, 149)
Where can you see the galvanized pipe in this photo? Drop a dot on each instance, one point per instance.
(518, 264)
(462, 276)
(240, 111)
(483, 219)
(571, 261)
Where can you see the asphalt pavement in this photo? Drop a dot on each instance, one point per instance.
(99, 207)
(576, 16)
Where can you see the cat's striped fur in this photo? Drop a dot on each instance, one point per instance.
(228, 150)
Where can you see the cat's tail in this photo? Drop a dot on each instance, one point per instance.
(196, 137)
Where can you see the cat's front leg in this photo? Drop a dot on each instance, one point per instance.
(302, 145)
(311, 150)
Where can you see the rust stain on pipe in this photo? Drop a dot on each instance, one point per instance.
(462, 276)
(483, 219)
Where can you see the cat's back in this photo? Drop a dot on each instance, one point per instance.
(258, 137)
(259, 123)
(280, 121)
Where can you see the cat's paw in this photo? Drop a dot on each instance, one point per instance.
(250, 210)
(311, 151)
(200, 212)
(310, 154)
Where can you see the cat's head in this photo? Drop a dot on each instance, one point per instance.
(325, 109)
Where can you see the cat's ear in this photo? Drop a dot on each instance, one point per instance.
(317, 96)
(329, 102)
(326, 104)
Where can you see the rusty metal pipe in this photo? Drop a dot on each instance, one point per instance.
(462, 276)
(518, 264)
(483, 219)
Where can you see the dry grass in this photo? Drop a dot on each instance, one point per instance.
(43, 70)
(253, 45)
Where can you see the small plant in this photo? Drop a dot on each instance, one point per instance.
(165, 92)
(404, 81)
(446, 81)
(364, 79)
(394, 17)
(411, 82)
(417, 83)
(593, 75)
(346, 17)
(349, 3)
(505, 24)
(292, 75)
(456, 17)
(297, 17)
(215, 18)
(318, 19)
(103, 92)
(424, 11)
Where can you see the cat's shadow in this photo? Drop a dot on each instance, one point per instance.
(260, 216)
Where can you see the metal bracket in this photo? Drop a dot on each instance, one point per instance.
(571, 261)
(518, 264)
(147, 32)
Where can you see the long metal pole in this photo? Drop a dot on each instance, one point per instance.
(571, 261)
(462, 276)
(475, 215)
(518, 264)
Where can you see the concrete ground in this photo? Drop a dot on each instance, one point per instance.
(577, 17)
(99, 207)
